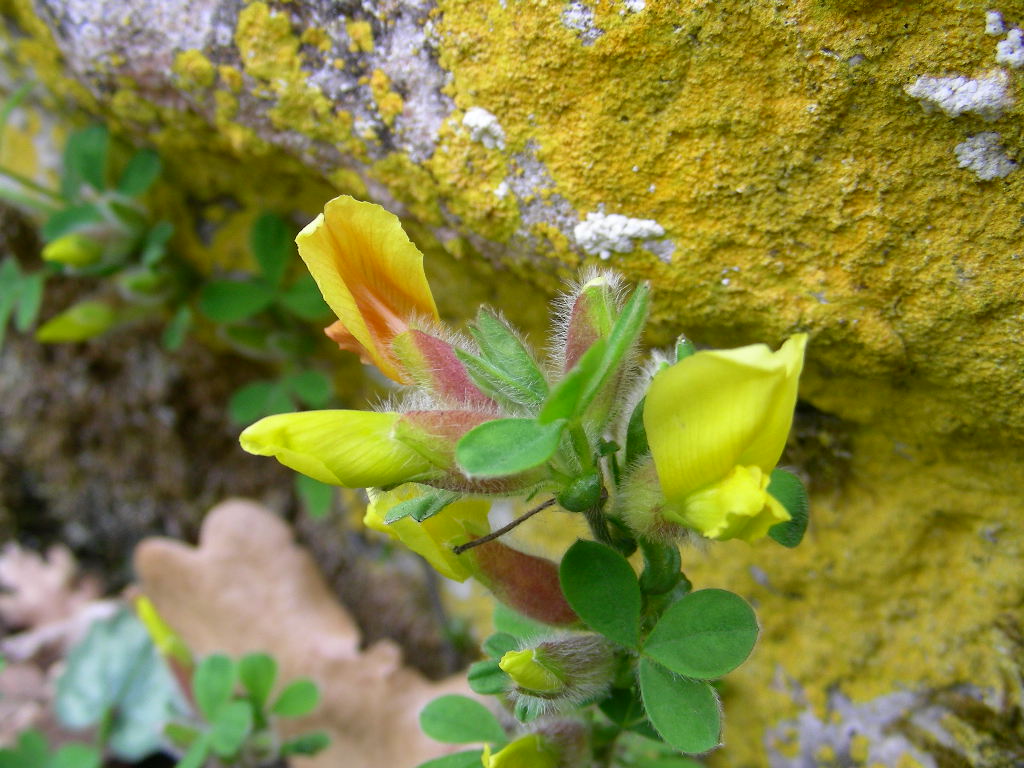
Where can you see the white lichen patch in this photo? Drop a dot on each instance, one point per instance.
(579, 18)
(988, 96)
(1011, 50)
(484, 127)
(985, 155)
(994, 23)
(635, 6)
(603, 234)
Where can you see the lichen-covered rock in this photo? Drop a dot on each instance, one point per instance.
(769, 166)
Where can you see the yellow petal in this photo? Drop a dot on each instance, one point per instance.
(530, 672)
(370, 274)
(718, 409)
(737, 507)
(434, 538)
(353, 449)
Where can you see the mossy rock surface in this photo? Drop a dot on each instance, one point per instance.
(779, 178)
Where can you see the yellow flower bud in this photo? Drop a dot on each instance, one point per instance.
(81, 322)
(717, 423)
(73, 251)
(528, 671)
(532, 751)
(166, 640)
(353, 449)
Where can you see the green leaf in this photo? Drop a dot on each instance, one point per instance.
(213, 682)
(316, 497)
(566, 396)
(500, 643)
(85, 160)
(228, 301)
(487, 678)
(506, 353)
(311, 388)
(257, 673)
(684, 712)
(507, 447)
(180, 736)
(252, 340)
(623, 337)
(69, 220)
(177, 329)
(116, 669)
(29, 752)
(75, 756)
(138, 176)
(258, 399)
(636, 434)
(602, 588)
(230, 728)
(524, 712)
(422, 507)
(10, 280)
(299, 698)
(684, 348)
(705, 635)
(302, 298)
(622, 707)
(790, 492)
(513, 623)
(455, 719)
(470, 759)
(155, 246)
(271, 244)
(306, 744)
(196, 755)
(30, 298)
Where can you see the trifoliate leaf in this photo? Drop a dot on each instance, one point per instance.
(257, 672)
(228, 301)
(213, 681)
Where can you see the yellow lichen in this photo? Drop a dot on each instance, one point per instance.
(360, 35)
(194, 70)
(317, 38)
(231, 77)
(389, 103)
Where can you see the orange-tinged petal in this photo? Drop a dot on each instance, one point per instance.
(353, 449)
(370, 274)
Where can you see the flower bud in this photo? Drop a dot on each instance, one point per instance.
(431, 362)
(531, 671)
(530, 751)
(527, 583)
(592, 310)
(560, 672)
(81, 322)
(73, 251)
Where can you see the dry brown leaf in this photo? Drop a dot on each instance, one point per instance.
(248, 587)
(35, 591)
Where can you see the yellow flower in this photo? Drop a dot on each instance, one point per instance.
(532, 751)
(717, 422)
(371, 276)
(354, 449)
(73, 251)
(434, 538)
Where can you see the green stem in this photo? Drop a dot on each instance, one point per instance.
(31, 184)
(598, 525)
(581, 445)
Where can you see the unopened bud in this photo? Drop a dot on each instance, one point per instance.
(581, 494)
(83, 321)
(592, 312)
(530, 751)
(528, 670)
(73, 251)
(560, 672)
